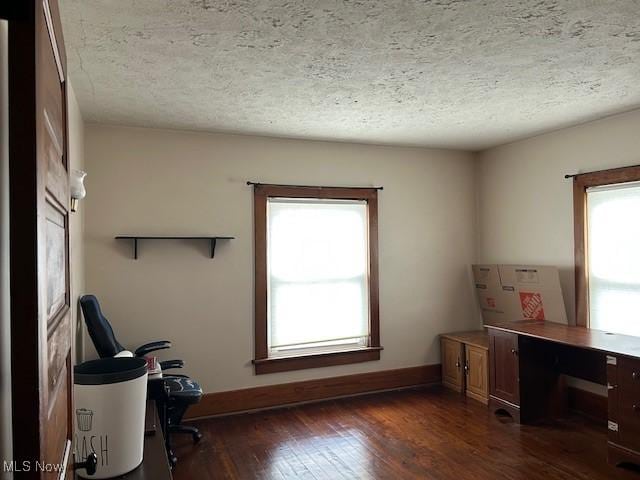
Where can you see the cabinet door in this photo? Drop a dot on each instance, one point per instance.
(504, 371)
(629, 403)
(452, 364)
(477, 375)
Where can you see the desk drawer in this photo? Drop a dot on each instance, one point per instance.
(624, 402)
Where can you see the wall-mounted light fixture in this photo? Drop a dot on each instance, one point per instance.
(78, 192)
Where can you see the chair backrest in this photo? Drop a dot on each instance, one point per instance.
(99, 328)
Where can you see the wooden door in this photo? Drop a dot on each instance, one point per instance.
(477, 381)
(504, 372)
(41, 324)
(452, 356)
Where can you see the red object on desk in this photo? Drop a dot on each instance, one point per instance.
(153, 366)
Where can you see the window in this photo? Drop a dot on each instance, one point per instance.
(607, 250)
(316, 277)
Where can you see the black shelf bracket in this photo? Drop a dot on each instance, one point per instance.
(213, 239)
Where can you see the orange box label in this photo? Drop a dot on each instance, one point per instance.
(531, 304)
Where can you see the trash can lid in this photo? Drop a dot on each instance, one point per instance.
(109, 370)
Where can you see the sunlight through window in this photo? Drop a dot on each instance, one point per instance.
(318, 275)
(614, 258)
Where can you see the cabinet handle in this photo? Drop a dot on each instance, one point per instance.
(636, 408)
(466, 369)
(458, 364)
(635, 376)
(514, 351)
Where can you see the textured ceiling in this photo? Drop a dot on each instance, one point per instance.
(462, 74)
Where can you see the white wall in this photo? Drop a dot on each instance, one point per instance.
(525, 205)
(163, 182)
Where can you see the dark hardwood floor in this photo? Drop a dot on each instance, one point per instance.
(427, 433)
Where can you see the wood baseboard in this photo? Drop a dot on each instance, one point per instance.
(270, 396)
(589, 404)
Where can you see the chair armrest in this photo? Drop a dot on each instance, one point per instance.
(167, 364)
(142, 350)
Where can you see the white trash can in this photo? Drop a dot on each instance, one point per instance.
(109, 397)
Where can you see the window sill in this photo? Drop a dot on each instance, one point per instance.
(315, 360)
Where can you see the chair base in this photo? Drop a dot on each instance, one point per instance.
(180, 428)
(173, 460)
(193, 431)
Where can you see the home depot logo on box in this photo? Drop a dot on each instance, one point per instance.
(531, 304)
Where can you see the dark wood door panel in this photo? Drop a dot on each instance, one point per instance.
(58, 349)
(629, 425)
(504, 372)
(52, 99)
(58, 416)
(52, 109)
(57, 183)
(629, 403)
(52, 165)
(56, 276)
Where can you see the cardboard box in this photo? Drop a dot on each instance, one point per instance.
(519, 292)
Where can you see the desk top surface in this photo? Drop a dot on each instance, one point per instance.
(580, 337)
(477, 338)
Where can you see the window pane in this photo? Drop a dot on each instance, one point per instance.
(316, 312)
(614, 258)
(318, 275)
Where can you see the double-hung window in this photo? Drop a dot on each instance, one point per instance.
(316, 277)
(608, 250)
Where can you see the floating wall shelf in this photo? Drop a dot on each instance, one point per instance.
(211, 238)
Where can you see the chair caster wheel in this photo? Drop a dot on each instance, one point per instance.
(197, 437)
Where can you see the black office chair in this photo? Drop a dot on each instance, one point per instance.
(175, 392)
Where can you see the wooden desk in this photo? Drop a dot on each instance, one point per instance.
(580, 337)
(529, 361)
